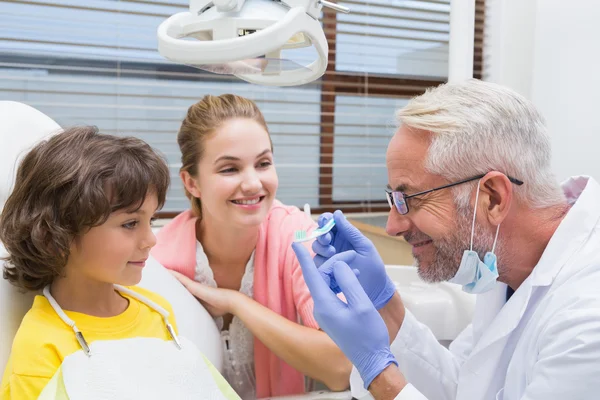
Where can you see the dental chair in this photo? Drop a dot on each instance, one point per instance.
(21, 126)
(443, 307)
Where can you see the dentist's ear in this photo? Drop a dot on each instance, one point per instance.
(190, 183)
(496, 197)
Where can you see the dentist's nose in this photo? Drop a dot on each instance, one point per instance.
(397, 223)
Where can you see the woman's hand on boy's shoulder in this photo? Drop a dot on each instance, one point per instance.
(217, 301)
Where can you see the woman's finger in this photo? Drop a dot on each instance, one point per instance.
(180, 277)
(192, 286)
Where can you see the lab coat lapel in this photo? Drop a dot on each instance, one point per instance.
(500, 324)
(487, 306)
(483, 373)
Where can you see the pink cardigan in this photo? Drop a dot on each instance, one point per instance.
(278, 283)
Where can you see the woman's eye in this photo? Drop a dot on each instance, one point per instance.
(265, 164)
(227, 170)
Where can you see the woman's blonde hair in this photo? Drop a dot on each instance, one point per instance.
(203, 119)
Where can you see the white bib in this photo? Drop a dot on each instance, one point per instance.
(132, 369)
(135, 368)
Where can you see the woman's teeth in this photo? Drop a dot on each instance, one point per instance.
(247, 202)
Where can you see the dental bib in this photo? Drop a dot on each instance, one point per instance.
(140, 368)
(137, 368)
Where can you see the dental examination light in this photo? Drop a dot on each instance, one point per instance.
(246, 38)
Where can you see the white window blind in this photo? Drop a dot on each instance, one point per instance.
(362, 132)
(95, 62)
(492, 49)
(398, 38)
(384, 42)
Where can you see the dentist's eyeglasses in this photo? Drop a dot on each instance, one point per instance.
(399, 199)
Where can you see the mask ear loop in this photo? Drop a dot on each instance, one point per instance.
(473, 224)
(475, 215)
(495, 239)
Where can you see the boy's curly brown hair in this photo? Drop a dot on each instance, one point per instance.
(66, 185)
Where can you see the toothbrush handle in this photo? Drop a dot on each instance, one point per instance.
(307, 210)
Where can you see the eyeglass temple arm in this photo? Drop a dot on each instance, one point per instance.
(513, 180)
(445, 186)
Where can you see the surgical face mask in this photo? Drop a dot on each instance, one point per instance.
(474, 275)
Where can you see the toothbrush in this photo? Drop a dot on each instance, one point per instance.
(303, 236)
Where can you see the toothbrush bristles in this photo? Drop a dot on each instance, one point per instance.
(298, 235)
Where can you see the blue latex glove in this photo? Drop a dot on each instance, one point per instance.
(371, 270)
(325, 246)
(356, 327)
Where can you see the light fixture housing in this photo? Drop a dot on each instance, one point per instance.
(245, 38)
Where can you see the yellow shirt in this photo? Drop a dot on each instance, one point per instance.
(44, 340)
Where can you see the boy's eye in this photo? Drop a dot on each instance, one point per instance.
(133, 224)
(130, 225)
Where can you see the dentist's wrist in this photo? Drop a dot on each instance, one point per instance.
(374, 365)
(388, 384)
(393, 314)
(386, 294)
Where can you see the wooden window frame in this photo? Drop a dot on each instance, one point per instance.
(339, 82)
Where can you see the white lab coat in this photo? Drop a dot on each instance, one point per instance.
(543, 344)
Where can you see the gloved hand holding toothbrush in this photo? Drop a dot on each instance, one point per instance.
(369, 265)
(355, 326)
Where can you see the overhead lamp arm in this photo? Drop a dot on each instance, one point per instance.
(226, 5)
(334, 6)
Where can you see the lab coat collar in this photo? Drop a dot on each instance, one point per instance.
(494, 318)
(583, 194)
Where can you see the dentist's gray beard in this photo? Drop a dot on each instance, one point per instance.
(450, 249)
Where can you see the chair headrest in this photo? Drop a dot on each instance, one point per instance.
(21, 127)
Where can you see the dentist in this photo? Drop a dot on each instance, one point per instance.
(472, 190)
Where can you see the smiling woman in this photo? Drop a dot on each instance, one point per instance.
(232, 250)
(236, 179)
